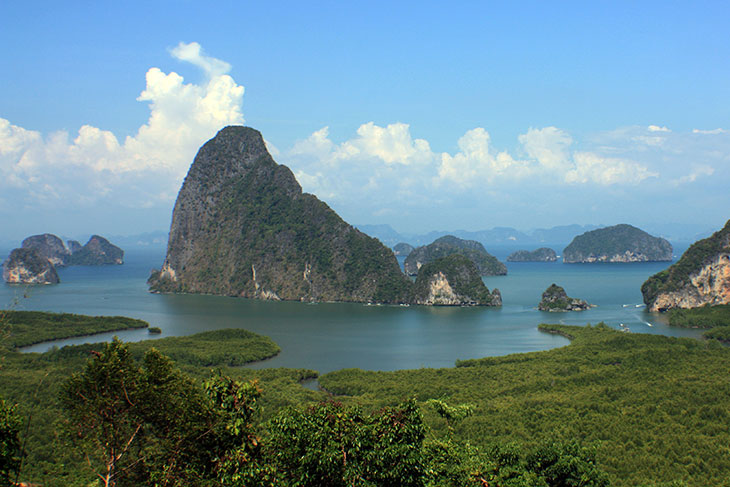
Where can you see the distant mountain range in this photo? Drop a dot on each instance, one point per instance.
(558, 236)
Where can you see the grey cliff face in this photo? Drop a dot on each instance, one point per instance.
(29, 266)
(49, 246)
(700, 277)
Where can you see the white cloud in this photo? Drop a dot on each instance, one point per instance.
(144, 168)
(593, 168)
(657, 128)
(549, 146)
(710, 132)
(699, 171)
(476, 163)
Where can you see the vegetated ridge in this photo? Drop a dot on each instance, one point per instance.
(453, 280)
(701, 276)
(486, 263)
(619, 243)
(555, 299)
(543, 254)
(242, 227)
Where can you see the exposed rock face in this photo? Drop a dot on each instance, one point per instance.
(29, 266)
(49, 246)
(97, 251)
(453, 280)
(74, 245)
(402, 249)
(242, 227)
(619, 243)
(542, 254)
(701, 276)
(555, 299)
(487, 264)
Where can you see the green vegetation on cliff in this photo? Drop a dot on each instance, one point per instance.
(242, 227)
(555, 299)
(487, 264)
(678, 276)
(543, 254)
(463, 286)
(619, 243)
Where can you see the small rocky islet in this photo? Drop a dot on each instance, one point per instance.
(555, 299)
(36, 260)
(543, 254)
(486, 263)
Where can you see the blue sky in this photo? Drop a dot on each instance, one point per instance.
(422, 115)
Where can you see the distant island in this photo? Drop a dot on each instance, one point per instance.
(555, 299)
(403, 249)
(701, 276)
(242, 226)
(619, 243)
(486, 263)
(36, 260)
(543, 254)
(453, 280)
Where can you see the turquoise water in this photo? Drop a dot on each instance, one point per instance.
(331, 336)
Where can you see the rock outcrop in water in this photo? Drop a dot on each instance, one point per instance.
(453, 280)
(543, 254)
(701, 276)
(97, 251)
(487, 264)
(48, 246)
(29, 266)
(242, 227)
(619, 243)
(555, 299)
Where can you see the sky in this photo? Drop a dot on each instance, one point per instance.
(421, 115)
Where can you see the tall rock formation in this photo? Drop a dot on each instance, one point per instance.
(453, 280)
(242, 227)
(701, 276)
(619, 243)
(29, 266)
(49, 246)
(487, 264)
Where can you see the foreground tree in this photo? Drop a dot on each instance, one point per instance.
(9, 443)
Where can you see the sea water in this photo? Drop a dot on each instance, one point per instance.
(331, 336)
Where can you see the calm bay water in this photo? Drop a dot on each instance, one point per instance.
(331, 336)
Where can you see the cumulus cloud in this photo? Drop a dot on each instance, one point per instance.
(593, 168)
(477, 163)
(549, 146)
(657, 128)
(142, 169)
